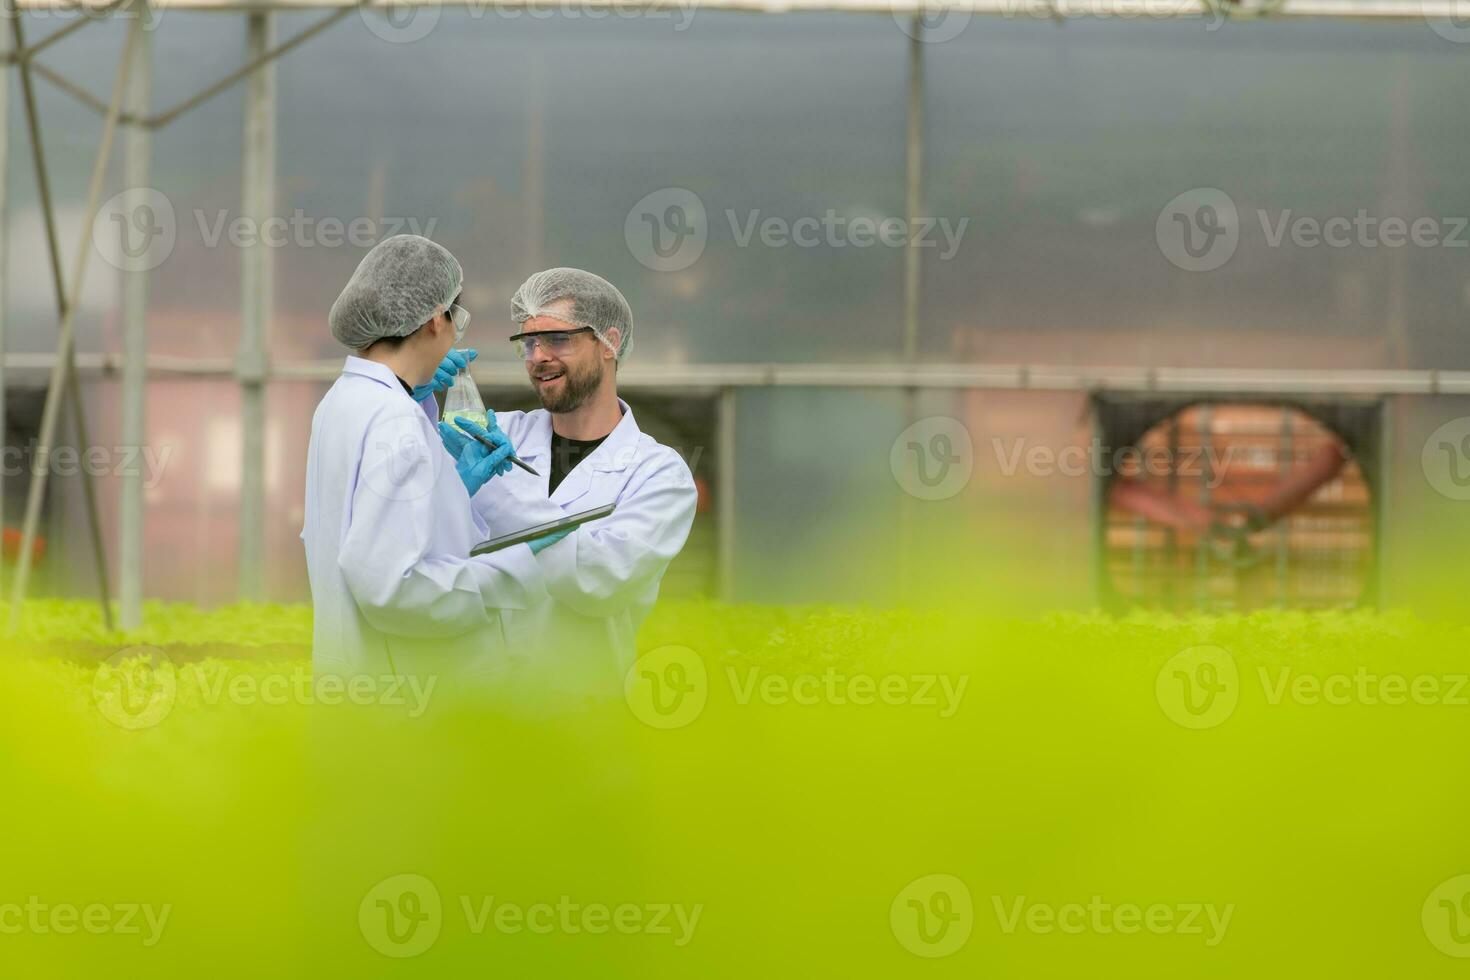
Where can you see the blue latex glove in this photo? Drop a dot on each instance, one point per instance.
(455, 439)
(476, 463)
(453, 363)
(547, 540)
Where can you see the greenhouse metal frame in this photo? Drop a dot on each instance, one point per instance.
(128, 105)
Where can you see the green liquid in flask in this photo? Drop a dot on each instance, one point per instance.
(479, 418)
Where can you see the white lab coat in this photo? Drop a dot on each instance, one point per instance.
(388, 528)
(602, 580)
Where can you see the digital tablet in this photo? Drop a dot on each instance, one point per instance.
(521, 537)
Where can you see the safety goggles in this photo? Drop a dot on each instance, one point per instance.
(556, 343)
(461, 318)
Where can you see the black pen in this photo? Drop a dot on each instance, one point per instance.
(494, 448)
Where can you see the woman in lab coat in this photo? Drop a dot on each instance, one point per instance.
(388, 525)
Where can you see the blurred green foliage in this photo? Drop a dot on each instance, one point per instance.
(832, 761)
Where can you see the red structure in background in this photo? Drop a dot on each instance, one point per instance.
(1273, 511)
(10, 545)
(1241, 508)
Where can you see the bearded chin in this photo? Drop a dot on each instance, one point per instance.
(576, 389)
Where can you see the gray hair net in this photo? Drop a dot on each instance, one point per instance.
(401, 283)
(596, 303)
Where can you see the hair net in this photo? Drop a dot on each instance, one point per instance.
(596, 303)
(399, 285)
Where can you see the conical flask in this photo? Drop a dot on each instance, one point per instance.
(463, 401)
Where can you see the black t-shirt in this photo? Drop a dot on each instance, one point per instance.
(565, 455)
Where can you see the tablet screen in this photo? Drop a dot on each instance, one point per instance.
(530, 533)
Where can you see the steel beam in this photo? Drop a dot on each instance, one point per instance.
(4, 250)
(1347, 383)
(725, 456)
(1040, 10)
(257, 201)
(60, 374)
(136, 164)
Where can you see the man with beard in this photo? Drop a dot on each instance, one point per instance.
(602, 579)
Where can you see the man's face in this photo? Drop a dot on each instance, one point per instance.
(565, 378)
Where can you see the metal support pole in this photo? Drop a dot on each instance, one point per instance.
(257, 199)
(913, 204)
(4, 251)
(534, 187)
(725, 492)
(914, 190)
(1285, 458)
(65, 363)
(1203, 566)
(136, 163)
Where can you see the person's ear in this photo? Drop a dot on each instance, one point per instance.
(614, 341)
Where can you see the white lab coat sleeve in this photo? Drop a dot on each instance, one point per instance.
(599, 569)
(384, 559)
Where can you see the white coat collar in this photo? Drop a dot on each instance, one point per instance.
(380, 373)
(616, 453)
